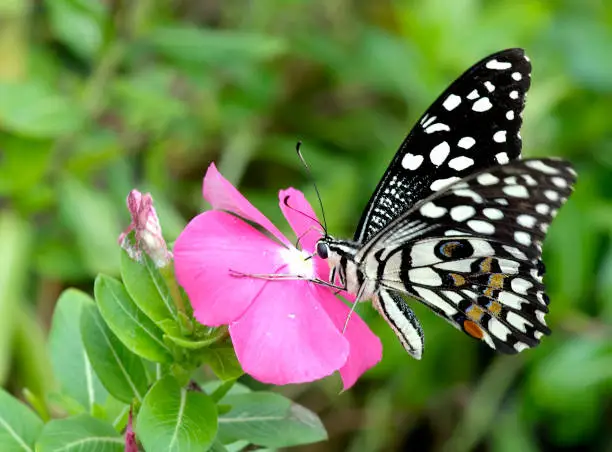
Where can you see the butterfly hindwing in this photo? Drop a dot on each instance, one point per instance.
(402, 320)
(475, 258)
(473, 125)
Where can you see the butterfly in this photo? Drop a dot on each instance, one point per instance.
(458, 219)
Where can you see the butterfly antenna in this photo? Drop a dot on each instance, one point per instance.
(286, 202)
(298, 147)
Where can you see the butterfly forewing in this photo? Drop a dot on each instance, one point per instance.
(474, 252)
(473, 125)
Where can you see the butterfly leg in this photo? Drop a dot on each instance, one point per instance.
(401, 319)
(357, 300)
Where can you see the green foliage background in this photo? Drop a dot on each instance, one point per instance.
(98, 97)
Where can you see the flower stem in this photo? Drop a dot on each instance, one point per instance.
(184, 319)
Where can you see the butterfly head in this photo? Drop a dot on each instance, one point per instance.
(340, 254)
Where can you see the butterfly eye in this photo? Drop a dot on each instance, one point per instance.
(322, 250)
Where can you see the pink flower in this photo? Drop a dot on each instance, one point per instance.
(283, 331)
(148, 231)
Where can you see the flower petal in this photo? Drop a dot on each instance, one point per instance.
(297, 211)
(286, 337)
(222, 195)
(211, 246)
(365, 346)
(307, 229)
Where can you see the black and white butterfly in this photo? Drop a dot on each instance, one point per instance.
(458, 220)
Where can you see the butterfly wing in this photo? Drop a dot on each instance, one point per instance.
(402, 320)
(472, 252)
(473, 125)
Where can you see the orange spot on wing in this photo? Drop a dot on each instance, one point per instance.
(472, 329)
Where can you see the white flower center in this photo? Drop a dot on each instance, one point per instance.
(297, 262)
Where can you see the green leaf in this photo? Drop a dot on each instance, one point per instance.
(130, 324)
(222, 360)
(215, 47)
(93, 219)
(122, 372)
(81, 433)
(174, 419)
(34, 110)
(572, 372)
(19, 426)
(149, 291)
(31, 366)
(71, 365)
(270, 420)
(15, 235)
(78, 24)
(30, 158)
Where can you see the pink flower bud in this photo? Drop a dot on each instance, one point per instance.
(148, 232)
(130, 436)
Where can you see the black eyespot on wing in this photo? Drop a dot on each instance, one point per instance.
(453, 249)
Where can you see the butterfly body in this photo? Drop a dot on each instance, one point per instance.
(458, 220)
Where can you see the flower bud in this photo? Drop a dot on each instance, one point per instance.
(148, 233)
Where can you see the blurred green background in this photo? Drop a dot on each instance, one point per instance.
(98, 97)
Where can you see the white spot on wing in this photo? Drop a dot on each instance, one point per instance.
(502, 158)
(522, 237)
(482, 227)
(498, 65)
(541, 166)
(520, 346)
(451, 102)
(437, 127)
(520, 285)
(462, 213)
(441, 183)
(514, 94)
(466, 142)
(499, 136)
(517, 76)
(411, 161)
(493, 214)
(439, 153)
(517, 321)
(482, 104)
(515, 252)
(487, 179)
(552, 195)
(429, 121)
(518, 191)
(559, 182)
(490, 86)
(473, 95)
(513, 301)
(460, 163)
(469, 193)
(430, 210)
(527, 221)
(510, 115)
(498, 329)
